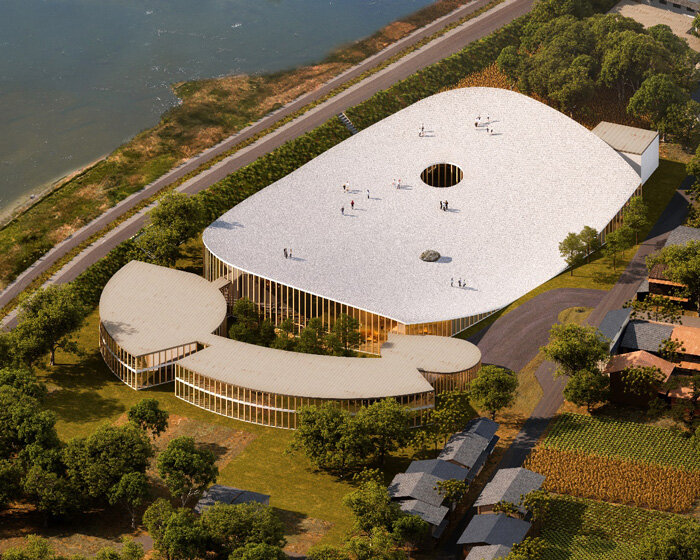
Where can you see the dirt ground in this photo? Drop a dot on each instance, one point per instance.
(651, 15)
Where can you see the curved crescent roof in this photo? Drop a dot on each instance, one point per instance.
(147, 308)
(540, 176)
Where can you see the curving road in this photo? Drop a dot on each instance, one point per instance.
(443, 46)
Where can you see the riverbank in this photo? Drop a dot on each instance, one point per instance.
(211, 110)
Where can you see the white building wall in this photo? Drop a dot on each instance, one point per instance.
(650, 159)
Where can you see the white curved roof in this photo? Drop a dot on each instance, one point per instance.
(540, 176)
(147, 308)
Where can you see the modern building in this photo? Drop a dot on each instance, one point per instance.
(508, 485)
(688, 7)
(495, 183)
(638, 147)
(159, 325)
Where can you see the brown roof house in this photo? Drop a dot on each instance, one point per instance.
(619, 393)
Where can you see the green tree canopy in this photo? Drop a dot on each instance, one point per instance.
(131, 492)
(635, 216)
(95, 464)
(572, 250)
(312, 337)
(326, 552)
(258, 551)
(24, 424)
(285, 339)
(618, 241)
(682, 265)
(249, 325)
(657, 94)
(347, 331)
(575, 348)
(642, 381)
(372, 507)
(452, 490)
(47, 319)
(452, 412)
(53, 495)
(183, 537)
(679, 540)
(185, 469)
(24, 381)
(231, 527)
(656, 308)
(590, 239)
(148, 416)
(387, 425)
(180, 214)
(494, 389)
(587, 387)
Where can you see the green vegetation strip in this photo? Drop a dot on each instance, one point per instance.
(623, 439)
(580, 529)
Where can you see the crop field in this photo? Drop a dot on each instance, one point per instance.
(616, 480)
(622, 439)
(587, 530)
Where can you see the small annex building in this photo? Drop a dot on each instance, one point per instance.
(471, 447)
(220, 494)
(493, 529)
(508, 485)
(640, 358)
(488, 552)
(637, 146)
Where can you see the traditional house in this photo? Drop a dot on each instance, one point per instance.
(471, 447)
(492, 529)
(508, 485)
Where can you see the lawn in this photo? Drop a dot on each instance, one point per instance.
(587, 530)
(599, 274)
(623, 439)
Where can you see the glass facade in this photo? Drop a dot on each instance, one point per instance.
(147, 370)
(278, 302)
(271, 409)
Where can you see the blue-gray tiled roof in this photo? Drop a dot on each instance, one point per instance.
(228, 495)
(614, 322)
(682, 235)
(494, 528)
(509, 485)
(428, 513)
(488, 552)
(419, 486)
(441, 469)
(645, 335)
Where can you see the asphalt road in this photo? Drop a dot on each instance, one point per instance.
(447, 44)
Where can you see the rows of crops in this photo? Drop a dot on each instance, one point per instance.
(616, 480)
(617, 438)
(586, 530)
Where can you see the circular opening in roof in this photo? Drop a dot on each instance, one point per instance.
(442, 175)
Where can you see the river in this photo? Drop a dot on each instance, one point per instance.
(80, 77)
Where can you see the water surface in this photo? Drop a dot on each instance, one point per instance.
(79, 77)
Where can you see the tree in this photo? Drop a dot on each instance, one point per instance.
(326, 552)
(452, 490)
(587, 387)
(10, 478)
(231, 527)
(258, 551)
(23, 424)
(312, 337)
(131, 491)
(682, 265)
(452, 411)
(572, 250)
(590, 239)
(285, 340)
(655, 96)
(186, 470)
(642, 381)
(387, 425)
(330, 438)
(180, 214)
(46, 320)
(506, 507)
(532, 548)
(681, 122)
(130, 551)
(575, 348)
(24, 381)
(156, 518)
(35, 548)
(679, 540)
(347, 331)
(670, 350)
(618, 241)
(635, 216)
(376, 544)
(149, 417)
(51, 494)
(493, 389)
(372, 507)
(249, 325)
(409, 530)
(538, 503)
(97, 463)
(157, 246)
(656, 308)
(183, 537)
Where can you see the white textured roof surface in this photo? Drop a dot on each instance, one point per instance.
(304, 375)
(628, 139)
(434, 354)
(147, 308)
(540, 176)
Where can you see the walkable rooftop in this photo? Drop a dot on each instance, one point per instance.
(537, 177)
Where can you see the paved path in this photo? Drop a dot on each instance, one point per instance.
(515, 338)
(443, 46)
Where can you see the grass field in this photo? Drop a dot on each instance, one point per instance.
(623, 439)
(599, 273)
(587, 530)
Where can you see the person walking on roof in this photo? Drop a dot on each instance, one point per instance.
(352, 204)
(342, 210)
(285, 252)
